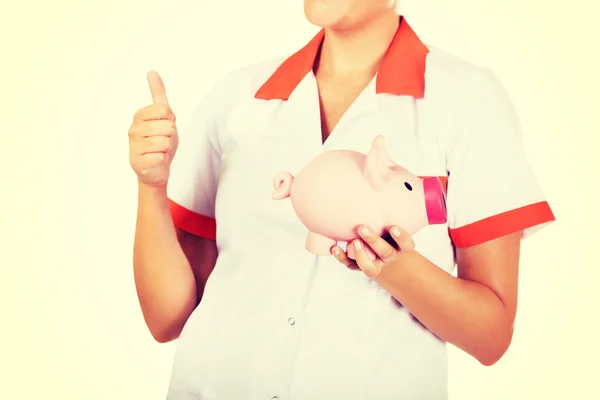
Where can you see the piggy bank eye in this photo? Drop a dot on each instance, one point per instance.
(408, 186)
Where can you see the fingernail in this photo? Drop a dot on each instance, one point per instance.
(395, 231)
(336, 252)
(365, 231)
(357, 245)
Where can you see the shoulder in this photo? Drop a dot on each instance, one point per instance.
(451, 76)
(447, 74)
(440, 61)
(467, 102)
(462, 89)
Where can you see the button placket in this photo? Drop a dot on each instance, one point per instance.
(293, 313)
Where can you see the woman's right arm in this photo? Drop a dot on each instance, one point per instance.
(170, 266)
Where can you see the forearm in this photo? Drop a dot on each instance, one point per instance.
(465, 313)
(163, 276)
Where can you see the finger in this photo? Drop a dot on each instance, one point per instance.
(147, 162)
(157, 88)
(404, 241)
(381, 248)
(339, 254)
(145, 129)
(363, 261)
(370, 253)
(154, 144)
(154, 112)
(350, 252)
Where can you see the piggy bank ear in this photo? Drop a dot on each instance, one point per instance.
(379, 143)
(378, 165)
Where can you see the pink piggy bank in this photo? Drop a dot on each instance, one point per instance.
(339, 190)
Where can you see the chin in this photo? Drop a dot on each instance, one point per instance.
(346, 14)
(327, 13)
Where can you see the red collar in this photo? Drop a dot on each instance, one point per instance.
(401, 73)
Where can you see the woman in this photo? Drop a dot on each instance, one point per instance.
(275, 322)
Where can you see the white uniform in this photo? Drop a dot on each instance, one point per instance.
(276, 322)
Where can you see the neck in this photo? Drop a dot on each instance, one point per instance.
(359, 50)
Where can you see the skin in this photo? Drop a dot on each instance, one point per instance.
(358, 33)
(475, 311)
(170, 266)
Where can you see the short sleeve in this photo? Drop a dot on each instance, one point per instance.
(492, 188)
(195, 170)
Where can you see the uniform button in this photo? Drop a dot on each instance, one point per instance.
(274, 398)
(291, 321)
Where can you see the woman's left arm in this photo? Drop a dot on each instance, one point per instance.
(474, 311)
(493, 201)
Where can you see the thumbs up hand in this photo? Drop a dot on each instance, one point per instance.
(153, 137)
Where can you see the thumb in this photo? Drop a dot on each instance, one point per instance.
(157, 88)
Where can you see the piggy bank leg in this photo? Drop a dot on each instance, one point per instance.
(319, 245)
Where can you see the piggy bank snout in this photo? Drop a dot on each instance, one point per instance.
(435, 201)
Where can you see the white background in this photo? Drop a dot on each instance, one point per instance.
(73, 74)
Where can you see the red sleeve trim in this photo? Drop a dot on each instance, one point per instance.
(501, 225)
(191, 222)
